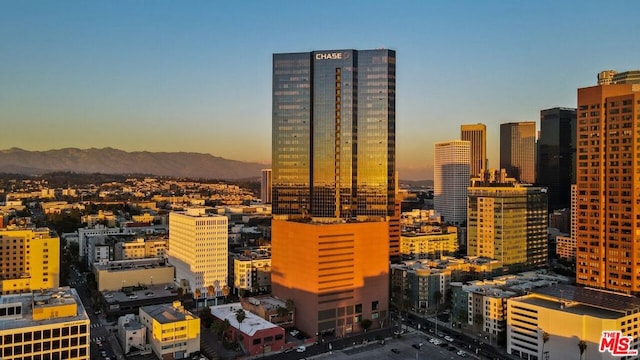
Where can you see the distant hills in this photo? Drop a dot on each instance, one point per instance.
(113, 161)
(119, 162)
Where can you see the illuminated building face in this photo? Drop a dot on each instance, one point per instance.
(334, 133)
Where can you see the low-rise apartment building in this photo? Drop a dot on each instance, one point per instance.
(49, 324)
(172, 331)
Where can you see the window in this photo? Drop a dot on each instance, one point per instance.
(358, 308)
(375, 305)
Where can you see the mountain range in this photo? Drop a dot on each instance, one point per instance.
(114, 161)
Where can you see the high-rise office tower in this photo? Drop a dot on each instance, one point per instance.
(265, 186)
(508, 222)
(608, 185)
(556, 155)
(476, 134)
(30, 260)
(334, 133)
(199, 249)
(518, 150)
(451, 179)
(333, 185)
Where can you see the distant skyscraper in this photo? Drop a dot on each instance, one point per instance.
(556, 155)
(508, 222)
(451, 179)
(265, 186)
(476, 134)
(608, 188)
(199, 249)
(333, 173)
(518, 150)
(608, 77)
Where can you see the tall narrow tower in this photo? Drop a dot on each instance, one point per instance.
(556, 155)
(333, 185)
(476, 134)
(608, 186)
(518, 150)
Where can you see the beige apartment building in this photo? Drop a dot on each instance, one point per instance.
(568, 315)
(140, 249)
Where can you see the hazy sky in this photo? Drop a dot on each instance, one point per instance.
(196, 75)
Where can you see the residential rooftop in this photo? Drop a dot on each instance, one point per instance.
(250, 325)
(40, 301)
(168, 313)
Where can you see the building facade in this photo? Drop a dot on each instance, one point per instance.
(476, 135)
(508, 224)
(568, 315)
(48, 324)
(334, 188)
(608, 186)
(450, 180)
(433, 244)
(172, 331)
(556, 155)
(30, 260)
(257, 335)
(518, 150)
(331, 108)
(336, 274)
(198, 249)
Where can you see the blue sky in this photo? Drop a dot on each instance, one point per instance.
(196, 75)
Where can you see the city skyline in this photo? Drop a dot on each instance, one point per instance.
(165, 78)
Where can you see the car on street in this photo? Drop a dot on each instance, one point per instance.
(395, 351)
(301, 349)
(417, 346)
(461, 353)
(448, 338)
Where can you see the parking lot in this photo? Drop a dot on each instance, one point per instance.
(405, 347)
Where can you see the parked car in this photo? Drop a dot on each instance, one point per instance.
(301, 349)
(395, 351)
(448, 338)
(461, 353)
(417, 346)
(294, 332)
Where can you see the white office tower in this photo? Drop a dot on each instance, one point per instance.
(451, 179)
(198, 249)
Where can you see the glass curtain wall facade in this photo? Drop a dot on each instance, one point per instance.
(556, 155)
(518, 150)
(334, 133)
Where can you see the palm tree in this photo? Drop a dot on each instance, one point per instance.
(197, 295)
(225, 292)
(240, 316)
(582, 345)
(211, 291)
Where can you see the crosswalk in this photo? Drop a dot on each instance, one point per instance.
(98, 338)
(93, 326)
